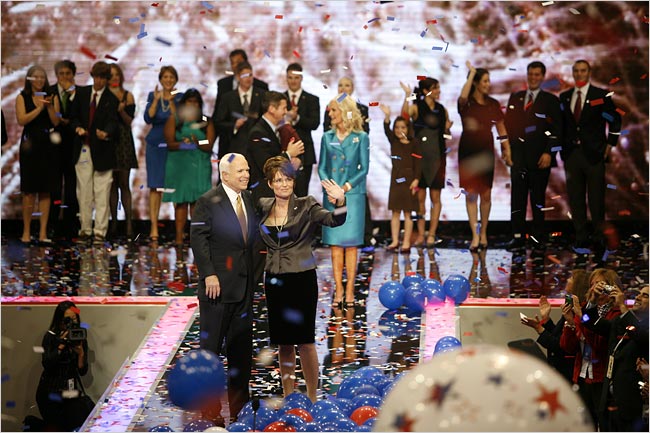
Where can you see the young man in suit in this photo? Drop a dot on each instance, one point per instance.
(590, 129)
(263, 142)
(238, 111)
(229, 83)
(304, 115)
(65, 194)
(94, 119)
(224, 231)
(534, 123)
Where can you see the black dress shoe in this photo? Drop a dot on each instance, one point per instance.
(515, 244)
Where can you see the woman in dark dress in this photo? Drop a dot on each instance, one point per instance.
(478, 112)
(430, 123)
(288, 227)
(36, 111)
(405, 155)
(124, 152)
(60, 395)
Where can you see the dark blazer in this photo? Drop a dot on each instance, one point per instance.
(327, 122)
(226, 116)
(549, 339)
(589, 133)
(262, 145)
(292, 252)
(527, 129)
(219, 247)
(225, 85)
(105, 119)
(309, 112)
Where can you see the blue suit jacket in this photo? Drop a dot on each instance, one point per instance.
(345, 162)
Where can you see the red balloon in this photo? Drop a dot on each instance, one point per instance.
(363, 414)
(302, 413)
(279, 426)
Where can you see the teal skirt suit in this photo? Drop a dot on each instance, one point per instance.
(346, 162)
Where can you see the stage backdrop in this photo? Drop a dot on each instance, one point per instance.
(377, 44)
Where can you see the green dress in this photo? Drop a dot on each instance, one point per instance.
(188, 171)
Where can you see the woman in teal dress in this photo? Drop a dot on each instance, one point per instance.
(344, 158)
(188, 170)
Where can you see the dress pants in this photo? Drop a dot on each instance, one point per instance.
(585, 180)
(92, 187)
(525, 183)
(65, 195)
(234, 322)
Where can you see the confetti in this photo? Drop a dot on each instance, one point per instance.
(574, 11)
(296, 53)
(610, 186)
(598, 101)
(279, 17)
(88, 52)
(163, 41)
(548, 3)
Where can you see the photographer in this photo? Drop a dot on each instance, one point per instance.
(60, 396)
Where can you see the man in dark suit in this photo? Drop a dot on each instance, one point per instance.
(591, 128)
(94, 119)
(304, 116)
(533, 120)
(237, 112)
(263, 142)
(64, 195)
(223, 232)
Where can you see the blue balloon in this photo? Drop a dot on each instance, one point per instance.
(369, 372)
(364, 427)
(446, 343)
(238, 426)
(391, 326)
(198, 425)
(414, 298)
(391, 294)
(365, 389)
(349, 385)
(366, 400)
(370, 422)
(298, 396)
(457, 287)
(247, 409)
(410, 279)
(161, 427)
(196, 379)
(345, 405)
(312, 426)
(433, 291)
(383, 383)
(331, 414)
(292, 420)
(265, 416)
(328, 427)
(322, 405)
(294, 403)
(345, 424)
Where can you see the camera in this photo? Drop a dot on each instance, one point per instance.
(608, 290)
(568, 299)
(75, 332)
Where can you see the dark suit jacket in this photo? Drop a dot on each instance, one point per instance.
(225, 85)
(66, 131)
(262, 145)
(309, 112)
(225, 119)
(219, 247)
(101, 151)
(292, 252)
(327, 122)
(527, 128)
(549, 339)
(589, 133)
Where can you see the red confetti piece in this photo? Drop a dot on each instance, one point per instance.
(468, 334)
(155, 4)
(598, 101)
(556, 234)
(614, 80)
(624, 212)
(57, 201)
(279, 17)
(365, 27)
(327, 17)
(502, 270)
(644, 76)
(229, 263)
(88, 52)
(415, 155)
(300, 29)
(107, 56)
(421, 77)
(432, 22)
(192, 305)
(527, 106)
(373, 104)
(621, 112)
(160, 59)
(75, 310)
(554, 259)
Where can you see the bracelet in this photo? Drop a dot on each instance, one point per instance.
(502, 137)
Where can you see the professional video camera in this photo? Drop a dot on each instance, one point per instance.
(75, 332)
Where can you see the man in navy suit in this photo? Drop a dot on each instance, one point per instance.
(304, 115)
(94, 119)
(534, 123)
(591, 128)
(238, 111)
(223, 233)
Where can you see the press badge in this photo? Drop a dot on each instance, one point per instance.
(610, 366)
(70, 384)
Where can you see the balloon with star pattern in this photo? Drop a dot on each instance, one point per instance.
(483, 388)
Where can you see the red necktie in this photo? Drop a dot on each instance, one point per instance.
(577, 109)
(293, 100)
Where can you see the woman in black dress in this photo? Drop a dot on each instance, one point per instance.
(124, 152)
(36, 110)
(288, 226)
(431, 123)
(478, 112)
(405, 156)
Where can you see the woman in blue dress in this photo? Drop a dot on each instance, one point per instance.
(344, 158)
(158, 110)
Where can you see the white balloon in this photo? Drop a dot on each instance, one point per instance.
(215, 428)
(483, 388)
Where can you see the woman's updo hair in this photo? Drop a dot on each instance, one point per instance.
(277, 164)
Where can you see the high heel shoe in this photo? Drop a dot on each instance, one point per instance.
(482, 247)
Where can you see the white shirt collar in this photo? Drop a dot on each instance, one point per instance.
(273, 127)
(249, 92)
(232, 195)
(584, 89)
(298, 93)
(99, 93)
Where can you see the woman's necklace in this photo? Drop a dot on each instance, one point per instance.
(280, 226)
(162, 105)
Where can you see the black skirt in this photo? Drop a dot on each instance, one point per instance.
(291, 300)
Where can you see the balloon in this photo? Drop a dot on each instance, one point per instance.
(369, 372)
(410, 279)
(215, 428)
(161, 427)
(322, 405)
(348, 387)
(446, 344)
(238, 427)
(342, 424)
(198, 425)
(365, 389)
(518, 393)
(363, 428)
(456, 287)
(298, 396)
(328, 427)
(390, 325)
(196, 380)
(329, 415)
(264, 417)
(290, 404)
(391, 295)
(248, 408)
(279, 426)
(345, 405)
(366, 400)
(433, 291)
(312, 426)
(363, 414)
(302, 413)
(414, 297)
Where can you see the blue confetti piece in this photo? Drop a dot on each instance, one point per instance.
(231, 157)
(610, 186)
(40, 93)
(204, 84)
(561, 106)
(254, 185)
(10, 403)
(474, 40)
(450, 183)
(5, 377)
(608, 117)
(53, 396)
(582, 250)
(395, 157)
(283, 234)
(265, 229)
(530, 129)
(605, 255)
(424, 32)
(134, 20)
(585, 317)
(141, 186)
(447, 150)
(501, 313)
(342, 97)
(267, 54)
(454, 66)
(395, 29)
(142, 35)
(540, 115)
(335, 143)
(207, 5)
(556, 148)
(143, 15)
(293, 316)
(550, 84)
(187, 146)
(625, 132)
(84, 325)
(400, 180)
(204, 335)
(512, 69)
(197, 223)
(373, 20)
(478, 228)
(390, 18)
(539, 206)
(436, 48)
(162, 144)
(162, 41)
(268, 140)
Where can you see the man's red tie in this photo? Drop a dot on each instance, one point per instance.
(91, 116)
(293, 100)
(577, 109)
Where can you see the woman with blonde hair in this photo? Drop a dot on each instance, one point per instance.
(344, 158)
